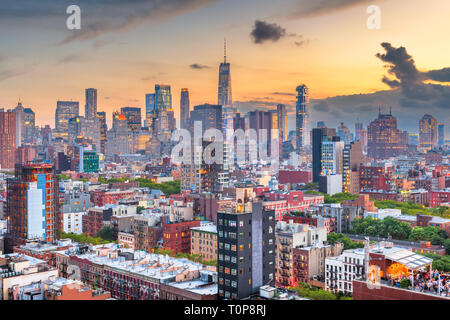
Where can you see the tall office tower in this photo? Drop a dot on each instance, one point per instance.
(224, 97)
(91, 104)
(120, 139)
(321, 124)
(361, 135)
(65, 110)
(196, 175)
(184, 109)
(302, 117)
(162, 120)
(90, 131)
(332, 162)
(74, 128)
(7, 139)
(238, 122)
(343, 132)
(103, 131)
(29, 125)
(282, 122)
(384, 139)
(441, 134)
(20, 119)
(133, 116)
(246, 249)
(428, 135)
(320, 135)
(262, 120)
(352, 159)
(32, 204)
(149, 109)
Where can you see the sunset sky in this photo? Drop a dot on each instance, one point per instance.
(124, 48)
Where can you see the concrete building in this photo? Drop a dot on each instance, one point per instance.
(204, 242)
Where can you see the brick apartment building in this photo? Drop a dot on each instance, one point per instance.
(177, 235)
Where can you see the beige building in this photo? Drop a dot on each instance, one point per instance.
(204, 242)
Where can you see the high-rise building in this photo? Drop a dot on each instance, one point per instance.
(441, 134)
(90, 162)
(384, 139)
(184, 109)
(282, 122)
(246, 249)
(133, 116)
(19, 110)
(262, 120)
(352, 159)
(120, 139)
(361, 135)
(343, 132)
(320, 135)
(149, 109)
(332, 162)
(428, 135)
(302, 117)
(91, 103)
(103, 131)
(29, 125)
(7, 139)
(203, 174)
(160, 117)
(65, 110)
(224, 93)
(32, 204)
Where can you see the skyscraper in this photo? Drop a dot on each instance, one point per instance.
(224, 94)
(319, 136)
(103, 131)
(384, 139)
(262, 120)
(29, 125)
(149, 109)
(428, 135)
(65, 110)
(32, 208)
(282, 122)
(160, 117)
(441, 134)
(7, 139)
(184, 108)
(361, 135)
(302, 117)
(352, 160)
(133, 116)
(344, 133)
(120, 140)
(20, 119)
(91, 103)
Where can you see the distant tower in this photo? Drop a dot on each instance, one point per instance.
(184, 108)
(224, 94)
(302, 117)
(91, 103)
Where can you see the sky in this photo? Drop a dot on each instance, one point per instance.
(124, 48)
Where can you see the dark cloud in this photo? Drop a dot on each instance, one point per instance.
(264, 31)
(301, 43)
(284, 94)
(98, 17)
(198, 66)
(322, 106)
(309, 8)
(442, 75)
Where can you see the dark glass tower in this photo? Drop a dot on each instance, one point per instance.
(302, 117)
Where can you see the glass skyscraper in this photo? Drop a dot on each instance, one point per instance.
(302, 117)
(91, 103)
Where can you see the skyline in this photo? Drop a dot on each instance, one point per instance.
(334, 77)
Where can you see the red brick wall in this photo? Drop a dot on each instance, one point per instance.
(362, 292)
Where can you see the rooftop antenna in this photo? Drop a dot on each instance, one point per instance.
(390, 110)
(225, 50)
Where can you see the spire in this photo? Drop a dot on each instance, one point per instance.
(225, 50)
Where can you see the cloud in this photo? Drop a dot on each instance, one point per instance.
(301, 43)
(99, 17)
(263, 31)
(308, 8)
(284, 94)
(442, 75)
(409, 95)
(198, 66)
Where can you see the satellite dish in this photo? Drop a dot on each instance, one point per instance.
(74, 272)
